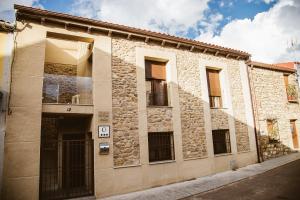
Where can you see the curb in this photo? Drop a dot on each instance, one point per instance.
(182, 190)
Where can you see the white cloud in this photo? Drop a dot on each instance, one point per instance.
(174, 17)
(268, 1)
(257, 1)
(7, 10)
(221, 4)
(267, 36)
(209, 24)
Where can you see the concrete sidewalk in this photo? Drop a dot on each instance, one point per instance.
(189, 188)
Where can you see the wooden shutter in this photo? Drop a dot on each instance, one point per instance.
(213, 82)
(155, 70)
(286, 80)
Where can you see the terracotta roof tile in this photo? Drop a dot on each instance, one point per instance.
(290, 65)
(271, 66)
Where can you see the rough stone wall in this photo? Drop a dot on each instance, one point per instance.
(272, 149)
(238, 104)
(191, 104)
(159, 119)
(60, 69)
(271, 103)
(124, 104)
(219, 119)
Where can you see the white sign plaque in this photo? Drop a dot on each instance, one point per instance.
(103, 131)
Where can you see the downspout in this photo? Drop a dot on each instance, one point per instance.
(253, 99)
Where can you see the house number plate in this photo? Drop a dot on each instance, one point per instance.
(103, 131)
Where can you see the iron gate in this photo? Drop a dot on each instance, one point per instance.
(66, 169)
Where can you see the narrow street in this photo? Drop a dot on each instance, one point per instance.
(280, 183)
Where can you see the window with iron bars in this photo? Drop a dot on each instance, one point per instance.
(221, 141)
(161, 146)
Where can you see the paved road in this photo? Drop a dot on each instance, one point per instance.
(280, 183)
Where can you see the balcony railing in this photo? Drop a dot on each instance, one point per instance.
(63, 89)
(292, 93)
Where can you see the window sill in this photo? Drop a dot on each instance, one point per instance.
(223, 154)
(215, 108)
(127, 166)
(159, 107)
(67, 104)
(197, 158)
(162, 162)
(292, 101)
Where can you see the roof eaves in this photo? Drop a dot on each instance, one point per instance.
(271, 67)
(46, 13)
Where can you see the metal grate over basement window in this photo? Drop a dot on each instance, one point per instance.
(221, 141)
(161, 146)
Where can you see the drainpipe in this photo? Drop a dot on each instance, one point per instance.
(257, 136)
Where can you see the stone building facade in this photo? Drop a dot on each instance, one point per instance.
(101, 118)
(272, 103)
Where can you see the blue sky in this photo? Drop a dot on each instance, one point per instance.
(264, 28)
(238, 9)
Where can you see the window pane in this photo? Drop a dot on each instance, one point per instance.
(221, 141)
(214, 88)
(156, 86)
(160, 146)
(67, 81)
(215, 102)
(159, 93)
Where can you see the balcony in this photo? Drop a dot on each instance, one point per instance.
(292, 94)
(66, 89)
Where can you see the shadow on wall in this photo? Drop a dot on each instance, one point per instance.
(191, 106)
(273, 148)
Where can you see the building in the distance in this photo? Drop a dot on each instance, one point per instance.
(292, 65)
(276, 105)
